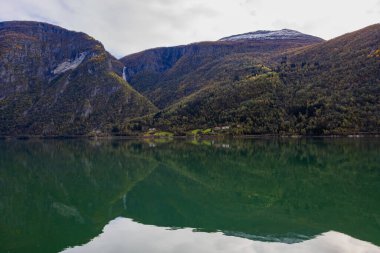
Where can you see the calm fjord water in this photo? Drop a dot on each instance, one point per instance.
(302, 195)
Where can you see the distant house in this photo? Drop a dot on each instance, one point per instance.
(152, 129)
(221, 128)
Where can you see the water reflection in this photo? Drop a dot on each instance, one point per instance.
(125, 235)
(56, 194)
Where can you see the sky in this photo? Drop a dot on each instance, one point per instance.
(129, 26)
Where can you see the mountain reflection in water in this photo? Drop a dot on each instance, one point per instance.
(61, 194)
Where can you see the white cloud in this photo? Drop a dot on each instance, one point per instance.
(126, 26)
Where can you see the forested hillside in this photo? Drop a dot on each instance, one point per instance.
(166, 75)
(324, 88)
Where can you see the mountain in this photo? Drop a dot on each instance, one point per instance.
(59, 82)
(166, 75)
(55, 82)
(267, 86)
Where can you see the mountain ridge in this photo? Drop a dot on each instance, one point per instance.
(56, 82)
(272, 35)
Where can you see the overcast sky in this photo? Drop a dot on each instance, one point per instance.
(128, 26)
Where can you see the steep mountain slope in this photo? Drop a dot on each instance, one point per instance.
(58, 82)
(166, 75)
(331, 87)
(335, 86)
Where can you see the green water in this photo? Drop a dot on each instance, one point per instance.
(60, 194)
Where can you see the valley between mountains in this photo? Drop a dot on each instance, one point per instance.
(55, 82)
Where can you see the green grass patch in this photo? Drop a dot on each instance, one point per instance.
(158, 134)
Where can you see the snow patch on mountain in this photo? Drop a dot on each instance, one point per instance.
(267, 35)
(69, 64)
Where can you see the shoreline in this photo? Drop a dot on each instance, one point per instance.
(140, 137)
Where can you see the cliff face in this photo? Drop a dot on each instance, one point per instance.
(54, 82)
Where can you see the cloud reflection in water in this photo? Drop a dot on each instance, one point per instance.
(125, 235)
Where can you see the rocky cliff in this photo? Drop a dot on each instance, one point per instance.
(59, 82)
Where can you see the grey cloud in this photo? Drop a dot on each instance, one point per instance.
(253, 2)
(136, 26)
(375, 9)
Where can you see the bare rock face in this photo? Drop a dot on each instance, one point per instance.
(59, 82)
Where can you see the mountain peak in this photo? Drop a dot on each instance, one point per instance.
(284, 34)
